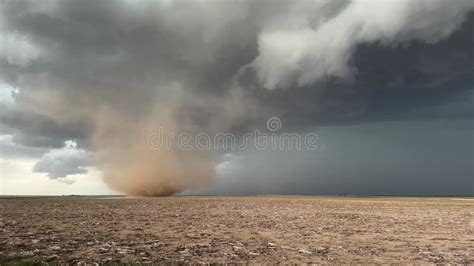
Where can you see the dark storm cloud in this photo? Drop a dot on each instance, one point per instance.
(386, 158)
(35, 130)
(390, 83)
(9, 149)
(95, 71)
(103, 50)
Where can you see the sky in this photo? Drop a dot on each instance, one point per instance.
(91, 91)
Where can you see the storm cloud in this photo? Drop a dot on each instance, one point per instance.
(107, 74)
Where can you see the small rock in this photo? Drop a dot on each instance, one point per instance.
(322, 250)
(185, 253)
(28, 253)
(304, 251)
(231, 255)
(236, 248)
(56, 248)
(254, 254)
(271, 245)
(122, 251)
(52, 257)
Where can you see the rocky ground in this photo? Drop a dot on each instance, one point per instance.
(265, 229)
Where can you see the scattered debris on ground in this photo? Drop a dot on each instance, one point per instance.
(266, 229)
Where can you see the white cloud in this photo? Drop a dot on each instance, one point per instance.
(60, 163)
(7, 93)
(18, 49)
(301, 55)
(16, 178)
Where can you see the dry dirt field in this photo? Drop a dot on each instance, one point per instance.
(254, 229)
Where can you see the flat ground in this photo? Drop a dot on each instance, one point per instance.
(261, 229)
